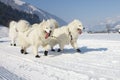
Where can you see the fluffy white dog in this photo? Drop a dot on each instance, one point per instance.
(67, 34)
(14, 27)
(36, 36)
(13, 32)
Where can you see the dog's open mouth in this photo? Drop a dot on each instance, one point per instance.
(47, 34)
(79, 31)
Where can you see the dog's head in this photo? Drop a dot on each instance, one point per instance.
(76, 26)
(23, 25)
(54, 22)
(48, 28)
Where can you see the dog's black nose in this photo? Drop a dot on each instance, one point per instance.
(84, 28)
(50, 31)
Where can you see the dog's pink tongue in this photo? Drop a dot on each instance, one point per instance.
(47, 35)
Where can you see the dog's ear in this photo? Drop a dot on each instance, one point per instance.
(74, 22)
(42, 23)
(53, 21)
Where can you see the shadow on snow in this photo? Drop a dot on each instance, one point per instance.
(84, 50)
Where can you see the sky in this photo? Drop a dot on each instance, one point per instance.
(87, 11)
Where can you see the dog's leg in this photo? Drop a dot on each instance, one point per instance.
(35, 51)
(23, 50)
(74, 45)
(52, 49)
(47, 47)
(14, 44)
(11, 43)
(52, 44)
(78, 50)
(45, 53)
(61, 48)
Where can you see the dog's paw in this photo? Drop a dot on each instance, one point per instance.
(46, 53)
(59, 50)
(22, 51)
(78, 50)
(37, 56)
(14, 44)
(26, 53)
(53, 50)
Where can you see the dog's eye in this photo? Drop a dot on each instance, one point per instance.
(79, 25)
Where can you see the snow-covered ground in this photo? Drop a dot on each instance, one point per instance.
(3, 31)
(99, 60)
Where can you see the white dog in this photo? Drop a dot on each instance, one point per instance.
(67, 34)
(14, 27)
(13, 32)
(36, 36)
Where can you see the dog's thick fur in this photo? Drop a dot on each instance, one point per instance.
(23, 25)
(51, 20)
(54, 22)
(13, 32)
(36, 36)
(15, 27)
(67, 34)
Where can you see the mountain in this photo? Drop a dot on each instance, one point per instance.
(111, 24)
(28, 8)
(7, 14)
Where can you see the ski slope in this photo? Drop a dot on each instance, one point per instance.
(99, 60)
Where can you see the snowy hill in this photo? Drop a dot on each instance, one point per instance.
(26, 7)
(99, 60)
(111, 24)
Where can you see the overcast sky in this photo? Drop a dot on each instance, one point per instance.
(88, 11)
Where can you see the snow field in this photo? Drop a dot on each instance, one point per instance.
(99, 60)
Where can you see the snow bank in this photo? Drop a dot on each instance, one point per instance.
(3, 31)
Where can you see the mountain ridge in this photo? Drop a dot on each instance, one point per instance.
(28, 8)
(111, 24)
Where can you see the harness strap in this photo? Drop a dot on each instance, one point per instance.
(70, 35)
(16, 30)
